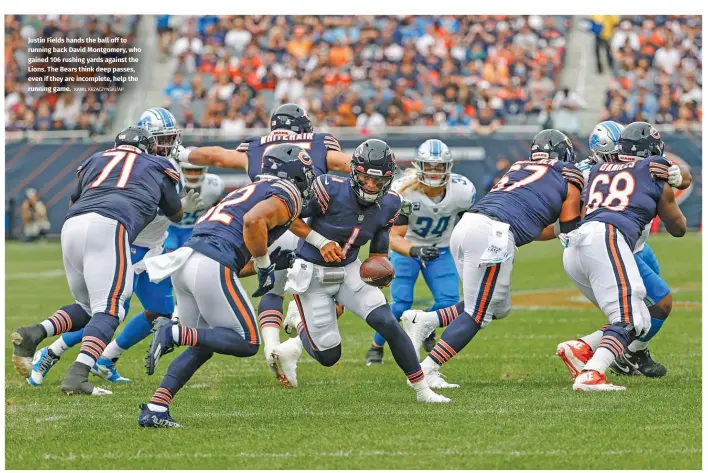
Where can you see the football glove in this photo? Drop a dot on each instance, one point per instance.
(266, 276)
(282, 259)
(425, 252)
(675, 177)
(192, 201)
(180, 154)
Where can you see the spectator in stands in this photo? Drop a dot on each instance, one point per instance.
(67, 111)
(603, 27)
(625, 35)
(487, 121)
(178, 91)
(668, 57)
(667, 112)
(644, 102)
(35, 223)
(371, 122)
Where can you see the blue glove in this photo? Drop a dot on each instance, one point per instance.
(266, 280)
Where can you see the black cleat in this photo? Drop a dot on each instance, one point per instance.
(24, 344)
(429, 343)
(161, 343)
(635, 363)
(76, 382)
(374, 356)
(148, 418)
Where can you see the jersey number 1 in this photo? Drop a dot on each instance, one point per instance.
(126, 158)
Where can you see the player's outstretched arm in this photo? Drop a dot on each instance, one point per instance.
(686, 177)
(213, 156)
(569, 217)
(338, 161)
(398, 242)
(670, 213)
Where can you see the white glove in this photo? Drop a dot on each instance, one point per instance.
(181, 154)
(675, 176)
(192, 201)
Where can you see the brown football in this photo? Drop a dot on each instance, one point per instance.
(376, 271)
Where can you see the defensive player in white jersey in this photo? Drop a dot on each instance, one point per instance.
(420, 241)
(635, 359)
(156, 298)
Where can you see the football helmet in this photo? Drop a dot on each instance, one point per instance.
(290, 116)
(640, 140)
(289, 161)
(433, 163)
(163, 126)
(138, 137)
(372, 168)
(552, 144)
(603, 141)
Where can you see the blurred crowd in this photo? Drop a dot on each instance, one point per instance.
(363, 71)
(35, 110)
(656, 66)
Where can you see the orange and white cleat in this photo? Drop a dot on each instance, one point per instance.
(593, 381)
(574, 353)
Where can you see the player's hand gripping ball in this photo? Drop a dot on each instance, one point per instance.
(376, 271)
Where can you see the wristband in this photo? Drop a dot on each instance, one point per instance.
(262, 261)
(316, 240)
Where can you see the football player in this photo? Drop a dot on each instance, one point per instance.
(156, 299)
(599, 255)
(421, 240)
(289, 124)
(216, 315)
(346, 213)
(636, 358)
(520, 208)
(119, 191)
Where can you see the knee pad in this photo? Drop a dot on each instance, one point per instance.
(330, 356)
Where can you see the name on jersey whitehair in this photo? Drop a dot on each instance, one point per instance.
(287, 137)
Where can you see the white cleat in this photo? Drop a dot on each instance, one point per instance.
(286, 356)
(427, 395)
(270, 361)
(436, 380)
(594, 381)
(418, 325)
(100, 391)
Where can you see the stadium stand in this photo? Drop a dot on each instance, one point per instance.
(657, 70)
(363, 71)
(32, 110)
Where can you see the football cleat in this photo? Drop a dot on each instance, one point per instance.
(161, 343)
(76, 382)
(574, 353)
(42, 362)
(148, 418)
(594, 381)
(106, 369)
(429, 343)
(286, 356)
(419, 324)
(436, 379)
(24, 345)
(634, 363)
(374, 356)
(428, 395)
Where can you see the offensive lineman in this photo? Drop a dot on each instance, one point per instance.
(119, 191)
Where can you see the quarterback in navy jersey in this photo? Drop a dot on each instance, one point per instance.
(520, 208)
(289, 124)
(216, 315)
(621, 198)
(119, 191)
(346, 213)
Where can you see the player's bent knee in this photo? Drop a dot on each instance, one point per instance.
(619, 331)
(250, 350)
(330, 356)
(662, 309)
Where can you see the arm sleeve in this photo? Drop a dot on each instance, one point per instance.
(379, 243)
(321, 189)
(659, 168)
(243, 147)
(170, 202)
(331, 143)
(574, 176)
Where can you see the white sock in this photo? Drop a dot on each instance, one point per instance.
(593, 339)
(270, 336)
(175, 333)
(638, 345)
(112, 351)
(48, 327)
(156, 408)
(84, 359)
(59, 346)
(600, 361)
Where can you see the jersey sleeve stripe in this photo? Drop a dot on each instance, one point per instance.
(318, 184)
(319, 196)
(295, 204)
(174, 175)
(332, 143)
(243, 147)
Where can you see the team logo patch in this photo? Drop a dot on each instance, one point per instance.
(305, 158)
(540, 155)
(416, 205)
(654, 133)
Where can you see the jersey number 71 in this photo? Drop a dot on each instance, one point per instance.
(124, 158)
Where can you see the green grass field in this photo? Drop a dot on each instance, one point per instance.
(515, 409)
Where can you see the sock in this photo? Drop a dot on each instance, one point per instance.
(136, 330)
(179, 372)
(378, 341)
(656, 325)
(65, 319)
(593, 339)
(58, 347)
(217, 339)
(638, 345)
(613, 343)
(454, 339)
(97, 334)
(72, 338)
(270, 318)
(448, 314)
(384, 322)
(601, 360)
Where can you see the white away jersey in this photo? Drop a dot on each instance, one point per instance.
(211, 191)
(431, 223)
(154, 234)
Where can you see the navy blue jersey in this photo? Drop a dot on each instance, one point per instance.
(127, 185)
(338, 216)
(218, 234)
(316, 144)
(529, 196)
(626, 194)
